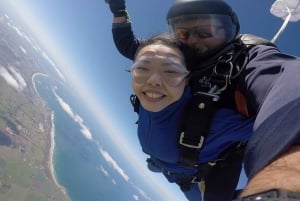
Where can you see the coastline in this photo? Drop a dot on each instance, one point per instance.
(33, 83)
(51, 155)
(49, 149)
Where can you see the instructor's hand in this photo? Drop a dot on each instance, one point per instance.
(117, 7)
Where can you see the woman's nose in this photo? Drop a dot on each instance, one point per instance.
(155, 79)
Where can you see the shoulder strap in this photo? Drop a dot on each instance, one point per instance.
(193, 133)
(135, 102)
(204, 104)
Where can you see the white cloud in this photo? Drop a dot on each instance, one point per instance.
(135, 197)
(53, 65)
(67, 108)
(21, 33)
(86, 132)
(105, 172)
(143, 193)
(18, 31)
(8, 78)
(21, 81)
(113, 164)
(13, 78)
(23, 50)
(108, 158)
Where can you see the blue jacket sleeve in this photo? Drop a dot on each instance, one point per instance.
(125, 40)
(264, 67)
(272, 88)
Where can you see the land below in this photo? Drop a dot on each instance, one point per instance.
(25, 121)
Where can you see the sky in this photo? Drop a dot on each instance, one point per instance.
(76, 35)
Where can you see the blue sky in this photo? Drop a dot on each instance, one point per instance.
(77, 36)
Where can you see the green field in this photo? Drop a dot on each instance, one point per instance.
(25, 124)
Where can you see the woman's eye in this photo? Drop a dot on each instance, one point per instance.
(171, 72)
(141, 68)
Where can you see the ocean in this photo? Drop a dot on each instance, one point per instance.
(83, 163)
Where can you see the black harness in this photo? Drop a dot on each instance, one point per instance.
(213, 85)
(209, 85)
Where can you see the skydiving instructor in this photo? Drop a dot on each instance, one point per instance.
(207, 31)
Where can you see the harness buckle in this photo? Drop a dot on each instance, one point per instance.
(192, 144)
(214, 97)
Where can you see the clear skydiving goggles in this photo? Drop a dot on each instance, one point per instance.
(201, 32)
(172, 72)
(203, 27)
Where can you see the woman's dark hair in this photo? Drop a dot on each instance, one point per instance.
(164, 39)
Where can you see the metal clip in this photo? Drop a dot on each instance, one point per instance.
(214, 97)
(198, 146)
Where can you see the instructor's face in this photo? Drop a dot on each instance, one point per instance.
(204, 35)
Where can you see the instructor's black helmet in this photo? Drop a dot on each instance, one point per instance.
(215, 10)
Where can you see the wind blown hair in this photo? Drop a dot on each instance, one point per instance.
(160, 39)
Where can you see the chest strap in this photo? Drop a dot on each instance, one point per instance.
(232, 155)
(198, 118)
(206, 90)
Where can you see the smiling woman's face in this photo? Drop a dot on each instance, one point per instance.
(158, 76)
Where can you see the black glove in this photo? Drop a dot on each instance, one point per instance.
(117, 7)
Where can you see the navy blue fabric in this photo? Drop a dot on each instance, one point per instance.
(273, 88)
(270, 83)
(218, 186)
(125, 40)
(158, 131)
(158, 136)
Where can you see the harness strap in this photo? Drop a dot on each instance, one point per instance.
(207, 87)
(135, 102)
(234, 153)
(190, 142)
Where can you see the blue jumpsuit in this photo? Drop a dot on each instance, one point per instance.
(270, 83)
(158, 136)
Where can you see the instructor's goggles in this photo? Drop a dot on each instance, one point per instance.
(200, 32)
(203, 27)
